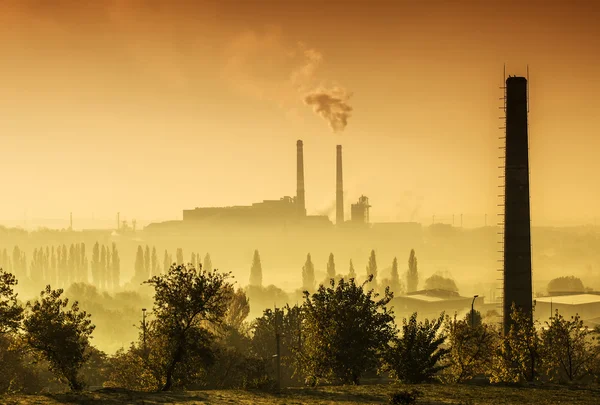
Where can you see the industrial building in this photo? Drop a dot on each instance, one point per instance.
(288, 212)
(431, 303)
(587, 306)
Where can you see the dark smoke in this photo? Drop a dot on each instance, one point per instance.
(332, 105)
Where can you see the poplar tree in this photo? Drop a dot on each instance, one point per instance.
(256, 270)
(308, 275)
(412, 276)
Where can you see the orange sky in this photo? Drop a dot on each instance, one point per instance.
(149, 107)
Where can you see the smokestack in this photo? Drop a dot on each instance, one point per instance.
(300, 179)
(339, 189)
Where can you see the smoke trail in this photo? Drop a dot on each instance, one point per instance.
(332, 105)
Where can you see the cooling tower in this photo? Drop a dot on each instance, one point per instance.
(517, 225)
(339, 189)
(300, 179)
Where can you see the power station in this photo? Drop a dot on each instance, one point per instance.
(287, 210)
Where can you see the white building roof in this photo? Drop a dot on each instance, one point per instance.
(576, 299)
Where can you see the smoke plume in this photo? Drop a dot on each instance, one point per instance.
(332, 105)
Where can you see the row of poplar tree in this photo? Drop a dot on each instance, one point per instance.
(62, 266)
(309, 281)
(147, 264)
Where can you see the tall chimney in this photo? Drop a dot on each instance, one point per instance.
(300, 179)
(339, 189)
(517, 218)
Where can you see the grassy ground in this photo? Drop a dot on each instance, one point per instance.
(366, 394)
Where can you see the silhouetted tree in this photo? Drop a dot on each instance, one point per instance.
(60, 335)
(286, 321)
(569, 352)
(395, 284)
(565, 284)
(439, 282)
(108, 270)
(116, 267)
(179, 256)
(96, 265)
(53, 279)
(154, 263)
(412, 275)
(372, 267)
(84, 263)
(417, 355)
(346, 328)
(351, 273)
(184, 300)
(147, 262)
(193, 260)
(102, 271)
(308, 275)
(11, 312)
(237, 310)
(139, 266)
(518, 357)
(207, 265)
(471, 349)
(331, 267)
(166, 263)
(256, 270)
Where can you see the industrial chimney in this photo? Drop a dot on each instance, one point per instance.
(339, 189)
(517, 220)
(300, 179)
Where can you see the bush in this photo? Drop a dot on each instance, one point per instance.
(416, 356)
(405, 397)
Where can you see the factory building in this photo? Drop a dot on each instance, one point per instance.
(287, 211)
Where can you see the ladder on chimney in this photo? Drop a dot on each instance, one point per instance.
(502, 196)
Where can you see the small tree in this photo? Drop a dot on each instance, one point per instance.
(179, 257)
(154, 262)
(570, 284)
(167, 263)
(346, 331)
(256, 270)
(439, 282)
(395, 284)
(412, 275)
(185, 299)
(308, 274)
(471, 349)
(61, 335)
(568, 353)
(147, 262)
(517, 358)
(330, 267)
(95, 263)
(237, 310)
(11, 313)
(139, 267)
(286, 322)
(116, 267)
(207, 264)
(417, 355)
(351, 272)
(372, 267)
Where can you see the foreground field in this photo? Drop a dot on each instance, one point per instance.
(366, 394)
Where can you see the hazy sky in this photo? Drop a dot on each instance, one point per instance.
(149, 107)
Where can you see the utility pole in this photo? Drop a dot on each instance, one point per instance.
(473, 311)
(144, 330)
